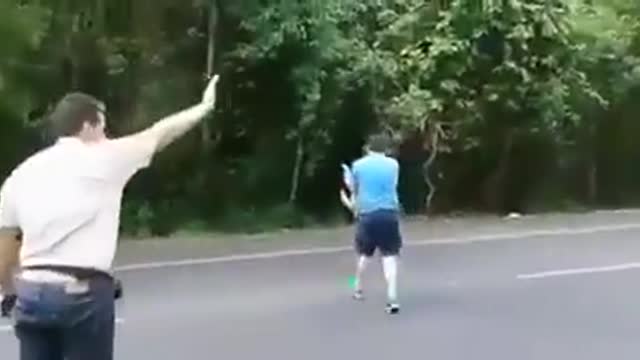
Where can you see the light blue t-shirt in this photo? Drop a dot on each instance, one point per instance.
(376, 180)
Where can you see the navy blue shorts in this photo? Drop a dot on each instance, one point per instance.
(379, 230)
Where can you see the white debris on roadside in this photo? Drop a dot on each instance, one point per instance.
(513, 216)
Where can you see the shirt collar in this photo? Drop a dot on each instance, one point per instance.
(68, 140)
(375, 153)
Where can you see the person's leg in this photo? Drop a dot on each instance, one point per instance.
(390, 268)
(38, 343)
(363, 262)
(39, 307)
(388, 235)
(92, 324)
(365, 250)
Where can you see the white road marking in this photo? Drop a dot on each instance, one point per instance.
(617, 211)
(339, 249)
(579, 271)
(9, 328)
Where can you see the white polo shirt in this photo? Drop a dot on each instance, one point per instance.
(66, 200)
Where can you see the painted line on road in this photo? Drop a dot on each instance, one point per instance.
(340, 249)
(579, 271)
(9, 328)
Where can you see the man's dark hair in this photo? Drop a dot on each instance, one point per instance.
(72, 112)
(379, 143)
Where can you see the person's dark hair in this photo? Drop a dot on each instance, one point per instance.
(72, 112)
(379, 143)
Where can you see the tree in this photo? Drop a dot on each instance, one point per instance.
(484, 74)
(308, 38)
(606, 33)
(21, 28)
(477, 88)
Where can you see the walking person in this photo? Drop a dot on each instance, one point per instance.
(64, 203)
(374, 201)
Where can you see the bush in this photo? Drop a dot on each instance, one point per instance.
(283, 216)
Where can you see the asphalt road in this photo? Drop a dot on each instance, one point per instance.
(543, 290)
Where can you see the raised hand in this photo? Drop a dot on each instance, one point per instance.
(209, 96)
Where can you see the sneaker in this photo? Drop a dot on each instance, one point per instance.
(392, 308)
(358, 295)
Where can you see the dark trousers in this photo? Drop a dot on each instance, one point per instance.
(61, 322)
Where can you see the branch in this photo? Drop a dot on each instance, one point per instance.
(436, 133)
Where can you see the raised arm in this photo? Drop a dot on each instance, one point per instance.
(130, 153)
(172, 127)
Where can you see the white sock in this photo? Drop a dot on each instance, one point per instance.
(363, 261)
(390, 267)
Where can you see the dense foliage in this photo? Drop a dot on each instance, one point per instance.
(495, 105)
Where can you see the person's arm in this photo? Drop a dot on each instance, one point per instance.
(133, 152)
(347, 202)
(350, 201)
(9, 243)
(347, 177)
(354, 180)
(172, 127)
(346, 199)
(396, 177)
(396, 184)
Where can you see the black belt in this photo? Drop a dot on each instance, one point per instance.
(77, 272)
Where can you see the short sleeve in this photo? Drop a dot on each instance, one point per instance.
(128, 155)
(8, 212)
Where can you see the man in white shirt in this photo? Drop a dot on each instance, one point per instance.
(64, 202)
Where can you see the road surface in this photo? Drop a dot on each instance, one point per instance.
(556, 287)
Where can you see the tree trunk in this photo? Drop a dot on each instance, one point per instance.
(592, 182)
(494, 186)
(99, 16)
(433, 153)
(206, 136)
(297, 169)
(592, 169)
